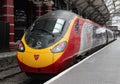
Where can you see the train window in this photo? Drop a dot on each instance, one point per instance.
(77, 26)
(49, 25)
(94, 31)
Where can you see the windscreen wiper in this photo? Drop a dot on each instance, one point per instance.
(47, 32)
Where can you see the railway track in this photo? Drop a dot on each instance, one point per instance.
(13, 75)
(9, 71)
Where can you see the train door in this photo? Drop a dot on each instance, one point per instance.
(97, 37)
(77, 32)
(95, 42)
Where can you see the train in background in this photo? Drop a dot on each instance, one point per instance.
(56, 39)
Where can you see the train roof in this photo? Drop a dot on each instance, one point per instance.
(66, 15)
(87, 20)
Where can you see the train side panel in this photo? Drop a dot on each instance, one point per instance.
(99, 36)
(86, 37)
(110, 35)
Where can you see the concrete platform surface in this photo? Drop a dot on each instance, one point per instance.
(7, 54)
(102, 67)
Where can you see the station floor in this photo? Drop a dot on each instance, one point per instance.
(102, 67)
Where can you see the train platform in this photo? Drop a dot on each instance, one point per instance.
(7, 59)
(102, 67)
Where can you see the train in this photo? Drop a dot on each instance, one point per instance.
(56, 39)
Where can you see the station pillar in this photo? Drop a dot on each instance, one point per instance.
(43, 7)
(8, 16)
(38, 10)
(0, 9)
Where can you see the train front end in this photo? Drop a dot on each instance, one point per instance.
(41, 46)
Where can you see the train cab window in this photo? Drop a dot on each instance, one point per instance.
(77, 26)
(48, 25)
(41, 33)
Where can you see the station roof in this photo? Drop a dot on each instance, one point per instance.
(100, 11)
(114, 10)
(95, 10)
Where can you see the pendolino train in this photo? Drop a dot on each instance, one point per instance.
(55, 39)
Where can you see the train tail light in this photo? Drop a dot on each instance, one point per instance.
(60, 47)
(21, 47)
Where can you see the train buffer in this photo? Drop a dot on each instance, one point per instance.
(102, 67)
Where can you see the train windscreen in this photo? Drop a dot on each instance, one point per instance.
(43, 32)
(50, 25)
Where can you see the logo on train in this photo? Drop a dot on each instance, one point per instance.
(36, 57)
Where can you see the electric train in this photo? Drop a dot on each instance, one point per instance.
(56, 39)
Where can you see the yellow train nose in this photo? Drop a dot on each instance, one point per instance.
(36, 60)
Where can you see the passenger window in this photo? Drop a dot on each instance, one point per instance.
(94, 31)
(77, 26)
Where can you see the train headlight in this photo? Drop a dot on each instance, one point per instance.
(60, 47)
(21, 47)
